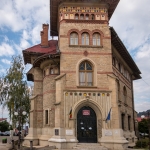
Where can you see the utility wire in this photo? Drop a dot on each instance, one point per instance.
(146, 83)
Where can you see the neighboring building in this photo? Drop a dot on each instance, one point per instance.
(139, 119)
(80, 78)
(3, 119)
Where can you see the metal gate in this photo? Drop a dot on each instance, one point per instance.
(86, 125)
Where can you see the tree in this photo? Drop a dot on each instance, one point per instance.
(4, 126)
(143, 126)
(15, 92)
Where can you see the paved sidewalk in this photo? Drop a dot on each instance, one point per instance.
(3, 147)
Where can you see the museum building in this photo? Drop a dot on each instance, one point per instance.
(83, 82)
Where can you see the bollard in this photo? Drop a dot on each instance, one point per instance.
(31, 145)
(13, 144)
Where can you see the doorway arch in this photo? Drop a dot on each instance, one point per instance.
(86, 125)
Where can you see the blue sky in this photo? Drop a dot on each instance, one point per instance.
(21, 22)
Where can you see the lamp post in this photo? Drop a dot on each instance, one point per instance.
(19, 113)
(149, 128)
(144, 127)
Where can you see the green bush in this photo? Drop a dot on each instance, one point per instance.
(142, 143)
(4, 140)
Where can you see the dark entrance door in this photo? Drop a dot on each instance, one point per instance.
(86, 125)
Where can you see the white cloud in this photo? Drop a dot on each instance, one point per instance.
(4, 113)
(6, 61)
(35, 34)
(142, 106)
(24, 44)
(6, 50)
(131, 22)
(19, 15)
(25, 35)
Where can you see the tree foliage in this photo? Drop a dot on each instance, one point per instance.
(143, 126)
(4, 126)
(15, 93)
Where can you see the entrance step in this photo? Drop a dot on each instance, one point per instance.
(89, 146)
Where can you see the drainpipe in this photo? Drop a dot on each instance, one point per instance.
(133, 107)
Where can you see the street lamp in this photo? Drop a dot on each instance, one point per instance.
(149, 127)
(20, 112)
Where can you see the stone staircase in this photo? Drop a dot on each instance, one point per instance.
(80, 146)
(89, 146)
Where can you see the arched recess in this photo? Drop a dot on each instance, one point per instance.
(125, 94)
(74, 31)
(87, 102)
(97, 109)
(94, 71)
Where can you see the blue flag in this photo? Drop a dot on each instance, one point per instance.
(108, 116)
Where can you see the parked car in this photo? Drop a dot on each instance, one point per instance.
(7, 133)
(1, 133)
(144, 134)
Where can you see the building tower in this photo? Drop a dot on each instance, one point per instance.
(83, 83)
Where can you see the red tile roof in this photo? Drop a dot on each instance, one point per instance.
(3, 119)
(140, 119)
(39, 50)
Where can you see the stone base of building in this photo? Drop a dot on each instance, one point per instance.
(113, 139)
(63, 142)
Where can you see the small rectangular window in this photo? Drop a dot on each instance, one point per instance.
(46, 116)
(129, 122)
(56, 131)
(122, 120)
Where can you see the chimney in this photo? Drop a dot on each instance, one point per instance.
(44, 36)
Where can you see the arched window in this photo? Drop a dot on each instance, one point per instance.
(119, 67)
(114, 63)
(122, 69)
(81, 16)
(87, 16)
(54, 70)
(74, 38)
(125, 72)
(117, 64)
(85, 39)
(118, 90)
(76, 16)
(125, 94)
(85, 74)
(96, 39)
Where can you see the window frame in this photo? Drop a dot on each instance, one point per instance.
(46, 116)
(85, 36)
(85, 71)
(97, 39)
(53, 68)
(75, 38)
(125, 94)
(122, 121)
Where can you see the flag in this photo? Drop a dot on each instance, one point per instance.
(108, 116)
(70, 114)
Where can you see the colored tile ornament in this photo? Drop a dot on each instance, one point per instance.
(85, 94)
(103, 94)
(66, 93)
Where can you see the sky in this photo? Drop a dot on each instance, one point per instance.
(21, 22)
